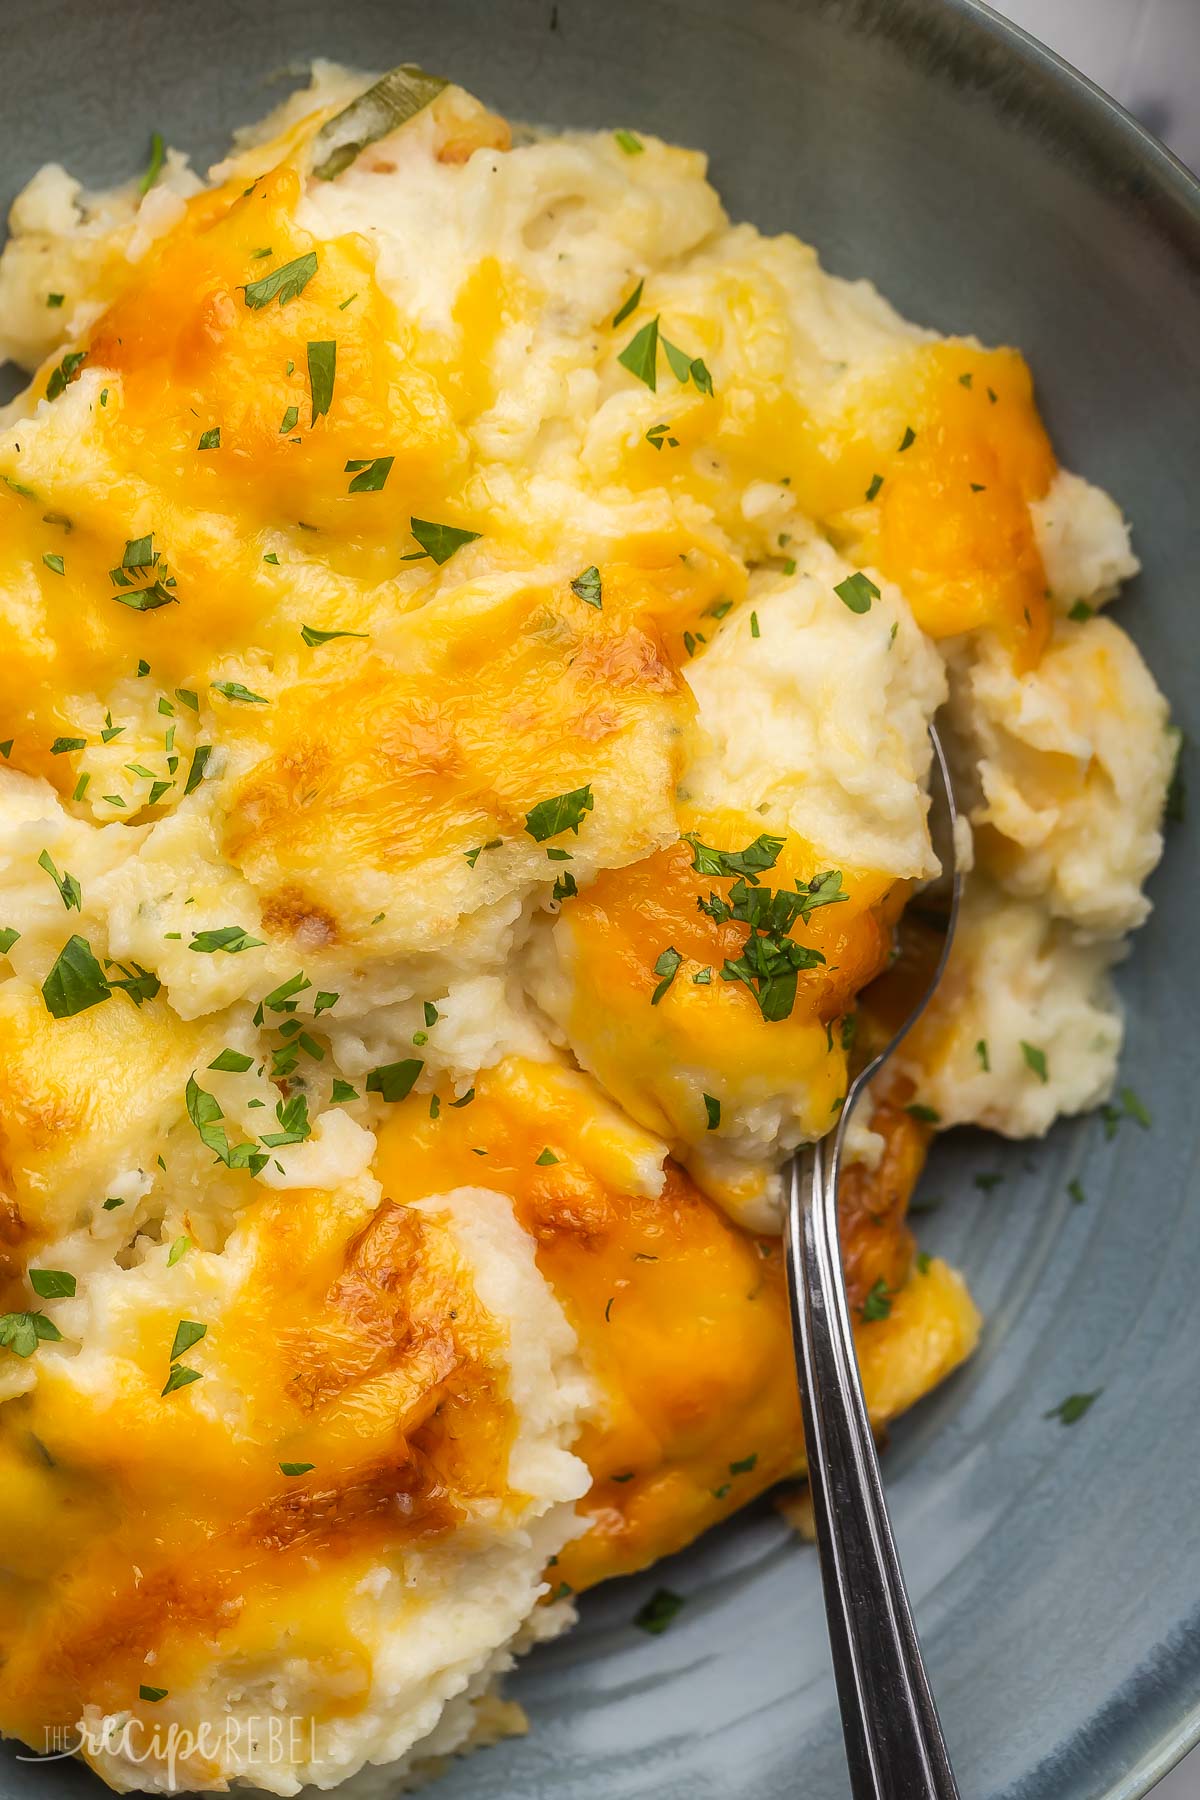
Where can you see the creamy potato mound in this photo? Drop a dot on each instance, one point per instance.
(473, 618)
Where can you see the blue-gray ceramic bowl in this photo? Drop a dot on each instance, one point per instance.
(985, 188)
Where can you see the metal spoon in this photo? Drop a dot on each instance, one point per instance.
(894, 1743)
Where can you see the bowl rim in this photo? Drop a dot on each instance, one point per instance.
(1104, 123)
(1110, 130)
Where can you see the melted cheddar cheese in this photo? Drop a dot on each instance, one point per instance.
(682, 1317)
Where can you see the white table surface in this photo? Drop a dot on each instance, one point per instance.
(1146, 54)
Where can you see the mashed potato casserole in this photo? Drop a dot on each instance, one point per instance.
(472, 617)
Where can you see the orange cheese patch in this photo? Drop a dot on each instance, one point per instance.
(352, 1344)
(648, 1051)
(489, 705)
(682, 1318)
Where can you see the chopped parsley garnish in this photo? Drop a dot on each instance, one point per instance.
(685, 367)
(988, 1179)
(283, 998)
(472, 856)
(440, 541)
(139, 552)
(394, 1081)
(1075, 1189)
(629, 305)
(181, 1246)
(876, 484)
(924, 1262)
(325, 1000)
(8, 937)
(322, 370)
(751, 862)
(658, 1612)
(55, 299)
(878, 1303)
(565, 887)
(1072, 1409)
(640, 355)
(68, 887)
(54, 563)
(546, 1158)
(21, 1332)
(62, 744)
(745, 1465)
(342, 1091)
(1035, 1059)
(294, 1125)
(312, 637)
(629, 142)
(230, 938)
(76, 982)
(1135, 1108)
(754, 631)
(563, 812)
(771, 959)
(187, 1333)
(910, 437)
(282, 284)
(67, 371)
(153, 170)
(372, 475)
(712, 1111)
(232, 1062)
(389, 103)
(587, 587)
(148, 599)
(658, 436)
(289, 421)
(52, 1284)
(233, 690)
(200, 756)
(178, 1378)
(139, 983)
(927, 1115)
(210, 439)
(206, 1115)
(1175, 805)
(857, 592)
(431, 1012)
(296, 1468)
(981, 1051)
(113, 1201)
(667, 966)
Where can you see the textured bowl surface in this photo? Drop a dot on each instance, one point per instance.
(985, 188)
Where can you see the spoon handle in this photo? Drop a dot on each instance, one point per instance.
(894, 1742)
